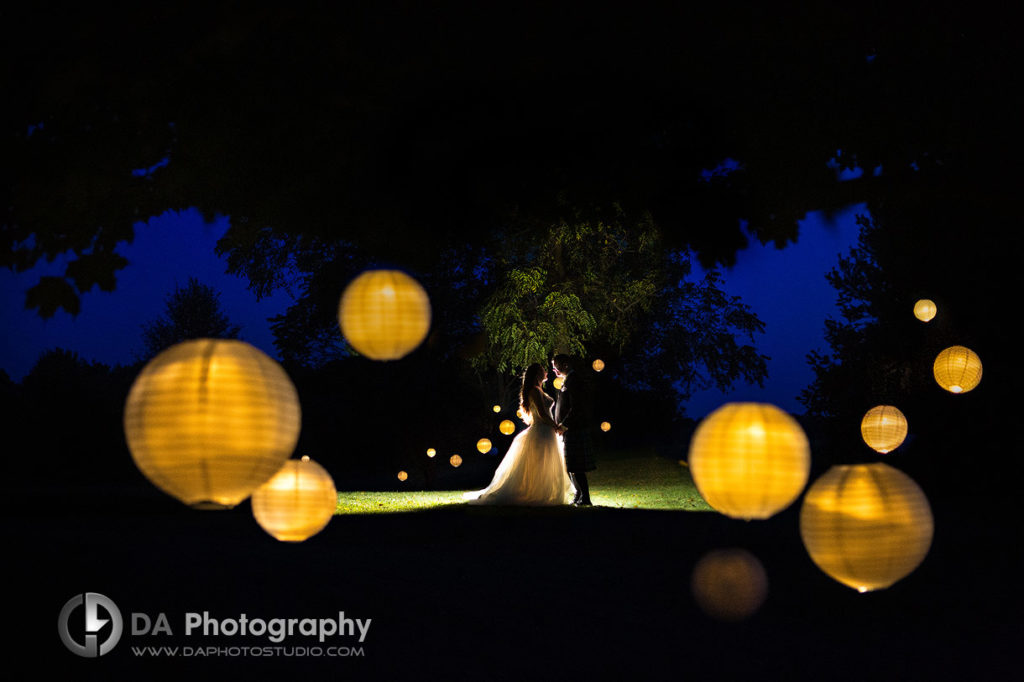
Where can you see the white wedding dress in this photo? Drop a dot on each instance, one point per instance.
(533, 470)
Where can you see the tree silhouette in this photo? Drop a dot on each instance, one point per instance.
(191, 312)
(409, 129)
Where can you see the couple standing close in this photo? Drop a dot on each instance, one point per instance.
(548, 461)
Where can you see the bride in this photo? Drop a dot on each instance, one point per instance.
(533, 470)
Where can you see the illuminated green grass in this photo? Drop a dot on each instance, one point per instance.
(625, 481)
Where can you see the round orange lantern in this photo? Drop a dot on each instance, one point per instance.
(431, 452)
(749, 460)
(866, 525)
(496, 408)
(384, 314)
(598, 365)
(925, 310)
(883, 428)
(558, 383)
(507, 427)
(957, 369)
(484, 445)
(455, 460)
(297, 502)
(209, 420)
(729, 584)
(402, 475)
(606, 426)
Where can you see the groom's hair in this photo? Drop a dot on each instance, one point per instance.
(562, 362)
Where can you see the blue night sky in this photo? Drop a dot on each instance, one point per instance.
(786, 288)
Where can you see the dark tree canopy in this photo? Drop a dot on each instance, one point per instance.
(191, 312)
(407, 128)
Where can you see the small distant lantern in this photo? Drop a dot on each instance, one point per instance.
(925, 310)
(729, 584)
(496, 408)
(519, 412)
(507, 427)
(606, 426)
(883, 428)
(210, 420)
(431, 452)
(866, 525)
(557, 383)
(384, 314)
(749, 460)
(484, 445)
(402, 475)
(957, 369)
(455, 460)
(297, 502)
(598, 365)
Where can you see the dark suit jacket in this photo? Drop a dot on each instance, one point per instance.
(573, 409)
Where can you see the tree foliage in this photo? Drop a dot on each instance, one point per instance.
(382, 129)
(605, 286)
(191, 312)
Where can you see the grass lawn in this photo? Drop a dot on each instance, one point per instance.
(622, 480)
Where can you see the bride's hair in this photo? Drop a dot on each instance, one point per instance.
(531, 377)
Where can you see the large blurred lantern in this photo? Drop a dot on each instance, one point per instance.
(483, 445)
(402, 475)
(507, 427)
(558, 383)
(883, 428)
(598, 365)
(431, 452)
(297, 502)
(729, 584)
(455, 460)
(957, 369)
(925, 310)
(749, 460)
(384, 314)
(866, 525)
(209, 420)
(606, 426)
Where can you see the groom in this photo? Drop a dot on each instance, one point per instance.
(573, 413)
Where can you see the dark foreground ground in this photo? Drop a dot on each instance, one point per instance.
(468, 593)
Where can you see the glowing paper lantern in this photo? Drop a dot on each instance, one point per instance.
(883, 428)
(507, 427)
(925, 310)
(729, 584)
(455, 460)
(519, 412)
(402, 475)
(598, 365)
(384, 314)
(557, 383)
(297, 502)
(209, 420)
(749, 460)
(957, 369)
(867, 525)
(484, 445)
(496, 408)
(606, 426)
(431, 452)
